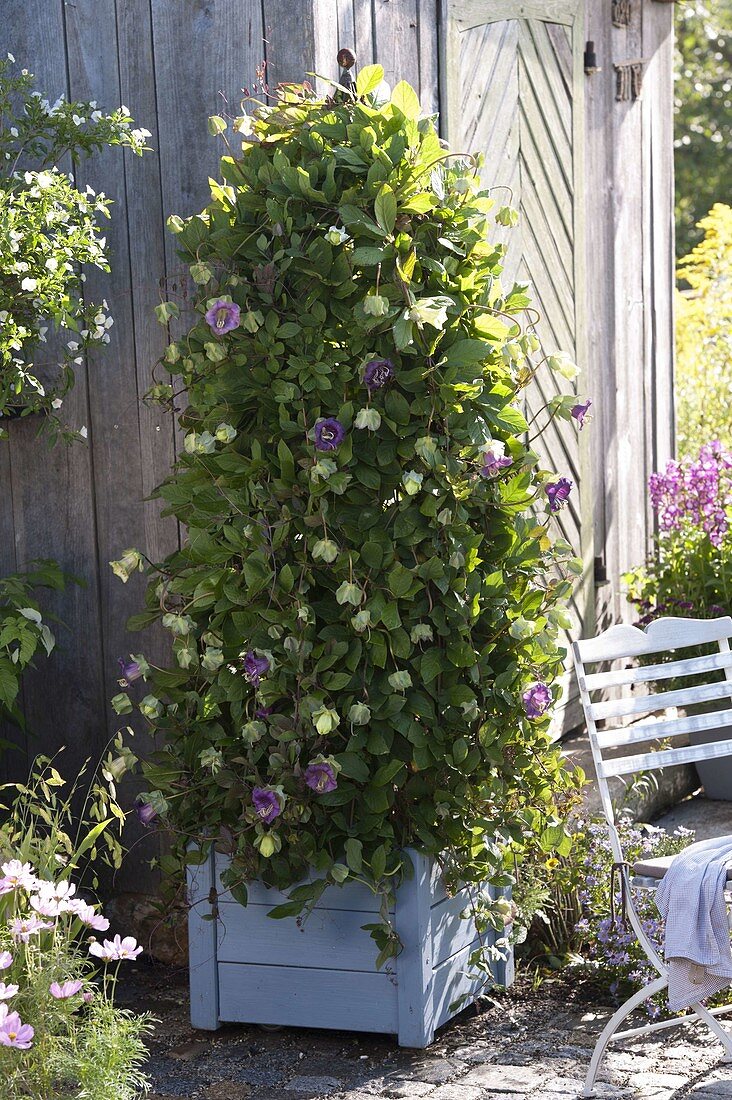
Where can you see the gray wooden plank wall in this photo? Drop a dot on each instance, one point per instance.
(629, 240)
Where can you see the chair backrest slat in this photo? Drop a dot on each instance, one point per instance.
(644, 704)
(647, 761)
(661, 636)
(656, 731)
(667, 637)
(691, 666)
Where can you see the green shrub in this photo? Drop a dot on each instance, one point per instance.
(365, 615)
(704, 337)
(48, 229)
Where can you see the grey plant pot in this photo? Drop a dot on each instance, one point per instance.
(246, 967)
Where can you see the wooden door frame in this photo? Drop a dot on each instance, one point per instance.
(456, 17)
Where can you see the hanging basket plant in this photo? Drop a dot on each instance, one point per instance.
(365, 614)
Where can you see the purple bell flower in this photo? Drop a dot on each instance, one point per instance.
(255, 667)
(537, 700)
(145, 813)
(329, 434)
(267, 803)
(377, 373)
(494, 459)
(580, 411)
(131, 670)
(223, 316)
(558, 493)
(320, 777)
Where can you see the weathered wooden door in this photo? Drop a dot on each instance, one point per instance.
(512, 84)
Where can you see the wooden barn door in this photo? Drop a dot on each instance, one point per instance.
(512, 83)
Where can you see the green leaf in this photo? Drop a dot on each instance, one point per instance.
(354, 855)
(353, 766)
(385, 208)
(368, 79)
(405, 99)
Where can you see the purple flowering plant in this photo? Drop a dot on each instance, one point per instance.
(689, 571)
(364, 596)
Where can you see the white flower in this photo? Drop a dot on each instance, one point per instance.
(83, 432)
(336, 235)
(29, 284)
(7, 991)
(22, 929)
(78, 120)
(116, 950)
(11, 59)
(16, 876)
(56, 403)
(13, 131)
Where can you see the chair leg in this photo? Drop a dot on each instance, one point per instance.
(714, 1026)
(612, 1026)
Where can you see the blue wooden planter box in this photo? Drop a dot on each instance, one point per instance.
(246, 967)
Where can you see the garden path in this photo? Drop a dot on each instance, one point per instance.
(524, 1044)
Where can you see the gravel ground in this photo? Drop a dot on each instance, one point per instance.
(524, 1044)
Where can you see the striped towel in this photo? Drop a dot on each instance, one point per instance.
(690, 898)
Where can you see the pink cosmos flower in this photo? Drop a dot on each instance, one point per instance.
(6, 960)
(13, 1032)
(88, 915)
(16, 876)
(22, 928)
(116, 950)
(66, 990)
(59, 893)
(7, 991)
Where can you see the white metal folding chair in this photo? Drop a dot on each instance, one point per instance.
(664, 636)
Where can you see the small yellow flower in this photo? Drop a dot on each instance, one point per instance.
(551, 864)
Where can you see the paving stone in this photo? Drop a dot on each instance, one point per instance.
(436, 1071)
(407, 1089)
(562, 1086)
(458, 1091)
(476, 1054)
(507, 1078)
(316, 1086)
(720, 1089)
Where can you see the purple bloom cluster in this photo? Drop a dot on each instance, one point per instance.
(329, 434)
(267, 803)
(558, 493)
(255, 668)
(695, 491)
(537, 699)
(377, 373)
(320, 778)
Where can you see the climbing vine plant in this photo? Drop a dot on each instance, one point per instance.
(366, 611)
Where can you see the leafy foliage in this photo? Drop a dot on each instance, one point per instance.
(48, 228)
(23, 633)
(703, 336)
(703, 128)
(368, 585)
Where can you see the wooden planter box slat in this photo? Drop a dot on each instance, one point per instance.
(248, 968)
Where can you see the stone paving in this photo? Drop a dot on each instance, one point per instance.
(524, 1044)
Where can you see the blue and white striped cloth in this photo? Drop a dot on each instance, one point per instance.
(690, 898)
